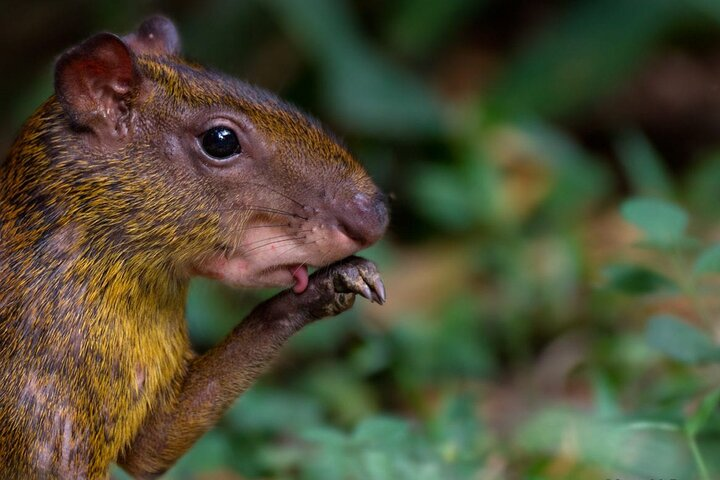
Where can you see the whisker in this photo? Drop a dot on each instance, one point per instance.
(274, 242)
(277, 211)
(235, 245)
(237, 239)
(299, 267)
(322, 259)
(250, 208)
(294, 247)
(286, 235)
(275, 191)
(267, 226)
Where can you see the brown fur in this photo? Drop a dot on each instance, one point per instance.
(106, 210)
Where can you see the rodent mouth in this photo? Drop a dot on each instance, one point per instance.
(298, 273)
(277, 263)
(239, 272)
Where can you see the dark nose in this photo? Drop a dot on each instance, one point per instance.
(365, 218)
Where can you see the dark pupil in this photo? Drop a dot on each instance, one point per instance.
(220, 142)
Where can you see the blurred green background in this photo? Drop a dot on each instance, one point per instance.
(551, 264)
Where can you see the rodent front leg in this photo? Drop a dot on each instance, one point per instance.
(215, 379)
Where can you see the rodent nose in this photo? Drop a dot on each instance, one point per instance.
(365, 219)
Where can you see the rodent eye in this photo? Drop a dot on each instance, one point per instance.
(220, 142)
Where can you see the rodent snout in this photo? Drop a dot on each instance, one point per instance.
(364, 218)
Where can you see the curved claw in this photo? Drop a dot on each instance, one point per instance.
(379, 295)
(365, 291)
(372, 278)
(361, 277)
(380, 289)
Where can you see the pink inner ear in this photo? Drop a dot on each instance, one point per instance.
(92, 79)
(118, 79)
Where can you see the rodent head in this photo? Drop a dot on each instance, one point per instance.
(200, 171)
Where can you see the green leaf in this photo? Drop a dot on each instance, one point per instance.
(680, 340)
(708, 261)
(700, 417)
(420, 27)
(701, 186)
(378, 465)
(325, 435)
(653, 425)
(643, 166)
(382, 431)
(663, 223)
(637, 280)
(605, 397)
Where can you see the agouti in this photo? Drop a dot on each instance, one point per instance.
(141, 171)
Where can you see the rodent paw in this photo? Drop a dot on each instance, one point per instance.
(342, 280)
(357, 275)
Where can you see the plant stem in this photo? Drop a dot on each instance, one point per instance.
(702, 468)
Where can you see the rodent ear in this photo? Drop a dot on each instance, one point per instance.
(95, 82)
(156, 36)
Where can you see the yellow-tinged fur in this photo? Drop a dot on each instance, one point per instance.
(76, 296)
